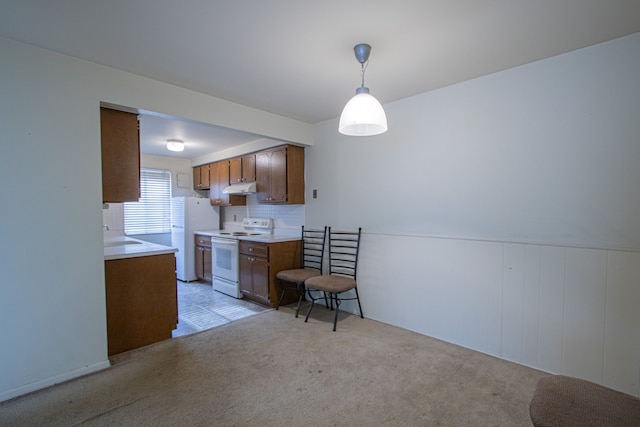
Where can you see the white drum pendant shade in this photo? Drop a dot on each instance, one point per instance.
(363, 116)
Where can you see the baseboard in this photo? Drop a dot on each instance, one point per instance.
(38, 385)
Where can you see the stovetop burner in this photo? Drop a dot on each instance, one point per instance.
(252, 227)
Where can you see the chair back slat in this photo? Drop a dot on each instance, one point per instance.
(343, 252)
(313, 244)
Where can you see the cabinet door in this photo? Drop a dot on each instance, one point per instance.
(263, 176)
(204, 177)
(199, 262)
(214, 189)
(245, 275)
(278, 178)
(260, 274)
(201, 177)
(249, 168)
(235, 170)
(271, 175)
(219, 173)
(203, 263)
(120, 143)
(254, 278)
(196, 178)
(207, 269)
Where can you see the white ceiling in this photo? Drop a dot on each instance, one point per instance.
(294, 57)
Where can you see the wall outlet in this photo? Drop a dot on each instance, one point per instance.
(315, 194)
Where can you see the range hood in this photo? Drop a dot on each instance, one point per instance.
(244, 188)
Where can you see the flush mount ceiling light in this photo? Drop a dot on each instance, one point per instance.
(175, 145)
(363, 115)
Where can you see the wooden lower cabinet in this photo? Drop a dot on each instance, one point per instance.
(254, 278)
(202, 257)
(142, 301)
(259, 264)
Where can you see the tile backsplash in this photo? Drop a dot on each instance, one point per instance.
(284, 216)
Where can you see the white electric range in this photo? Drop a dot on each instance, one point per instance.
(225, 253)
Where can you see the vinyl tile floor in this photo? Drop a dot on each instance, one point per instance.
(200, 308)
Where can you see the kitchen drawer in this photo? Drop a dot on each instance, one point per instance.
(202, 240)
(255, 249)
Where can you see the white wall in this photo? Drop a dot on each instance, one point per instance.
(503, 213)
(52, 302)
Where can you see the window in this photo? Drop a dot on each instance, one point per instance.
(152, 213)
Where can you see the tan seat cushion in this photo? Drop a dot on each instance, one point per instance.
(330, 283)
(298, 275)
(566, 401)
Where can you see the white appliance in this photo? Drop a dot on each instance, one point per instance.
(190, 214)
(225, 254)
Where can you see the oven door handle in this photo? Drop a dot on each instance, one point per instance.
(224, 242)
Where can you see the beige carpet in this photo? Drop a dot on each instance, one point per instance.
(273, 369)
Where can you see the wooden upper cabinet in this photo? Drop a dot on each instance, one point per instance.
(280, 175)
(120, 141)
(235, 170)
(219, 180)
(242, 169)
(201, 177)
(249, 168)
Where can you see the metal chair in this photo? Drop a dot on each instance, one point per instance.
(313, 243)
(343, 264)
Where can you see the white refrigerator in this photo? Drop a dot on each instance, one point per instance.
(190, 214)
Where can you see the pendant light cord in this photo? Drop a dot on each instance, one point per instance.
(364, 68)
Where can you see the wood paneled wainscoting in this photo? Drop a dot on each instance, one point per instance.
(565, 310)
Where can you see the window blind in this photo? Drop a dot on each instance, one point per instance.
(152, 213)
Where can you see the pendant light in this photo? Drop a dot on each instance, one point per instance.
(363, 115)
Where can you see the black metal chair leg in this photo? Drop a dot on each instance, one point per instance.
(335, 318)
(359, 306)
(282, 294)
(310, 308)
(300, 288)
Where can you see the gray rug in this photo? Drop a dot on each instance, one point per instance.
(273, 369)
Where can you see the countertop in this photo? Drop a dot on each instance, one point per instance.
(263, 238)
(126, 247)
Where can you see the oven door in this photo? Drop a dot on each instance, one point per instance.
(224, 261)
